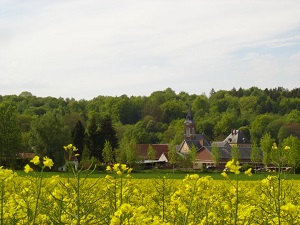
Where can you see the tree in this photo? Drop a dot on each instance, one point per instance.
(255, 154)
(93, 138)
(10, 135)
(48, 136)
(173, 155)
(266, 143)
(151, 153)
(235, 153)
(131, 153)
(78, 138)
(293, 153)
(108, 153)
(259, 125)
(127, 152)
(192, 155)
(216, 154)
(107, 133)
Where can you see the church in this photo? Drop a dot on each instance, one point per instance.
(204, 155)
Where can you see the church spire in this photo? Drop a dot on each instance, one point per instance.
(189, 116)
(189, 126)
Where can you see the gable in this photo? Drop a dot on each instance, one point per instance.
(184, 148)
(159, 149)
(204, 155)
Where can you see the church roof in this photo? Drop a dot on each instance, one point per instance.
(189, 116)
(199, 137)
(237, 137)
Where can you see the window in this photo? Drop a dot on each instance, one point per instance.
(188, 132)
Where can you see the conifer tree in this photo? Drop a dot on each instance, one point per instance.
(93, 139)
(107, 133)
(78, 138)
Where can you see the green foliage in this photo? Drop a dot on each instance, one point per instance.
(79, 138)
(293, 153)
(108, 153)
(48, 134)
(266, 143)
(255, 154)
(93, 138)
(10, 135)
(259, 125)
(216, 153)
(151, 153)
(174, 157)
(235, 153)
(108, 133)
(158, 118)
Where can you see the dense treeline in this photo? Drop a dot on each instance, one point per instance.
(46, 124)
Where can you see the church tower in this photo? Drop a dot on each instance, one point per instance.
(189, 126)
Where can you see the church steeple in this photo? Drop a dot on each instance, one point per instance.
(189, 126)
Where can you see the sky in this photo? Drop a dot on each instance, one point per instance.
(85, 48)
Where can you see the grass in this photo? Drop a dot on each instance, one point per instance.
(155, 174)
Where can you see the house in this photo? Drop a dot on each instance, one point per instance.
(204, 148)
(161, 154)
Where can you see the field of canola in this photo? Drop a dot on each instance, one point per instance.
(119, 198)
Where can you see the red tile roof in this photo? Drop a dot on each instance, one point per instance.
(159, 148)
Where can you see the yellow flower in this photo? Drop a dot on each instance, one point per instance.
(70, 147)
(287, 148)
(27, 169)
(225, 175)
(77, 154)
(124, 167)
(116, 167)
(108, 168)
(119, 173)
(48, 162)
(233, 166)
(248, 172)
(274, 146)
(35, 160)
(290, 208)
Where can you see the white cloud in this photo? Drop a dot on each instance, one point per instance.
(83, 49)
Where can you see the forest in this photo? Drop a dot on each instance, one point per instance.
(44, 124)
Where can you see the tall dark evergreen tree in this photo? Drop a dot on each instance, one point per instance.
(93, 139)
(108, 133)
(78, 138)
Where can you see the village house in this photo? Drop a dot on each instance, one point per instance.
(204, 148)
(161, 155)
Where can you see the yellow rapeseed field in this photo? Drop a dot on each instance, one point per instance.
(120, 199)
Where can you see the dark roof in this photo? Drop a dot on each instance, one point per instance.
(189, 115)
(245, 152)
(159, 148)
(220, 144)
(196, 143)
(237, 137)
(206, 142)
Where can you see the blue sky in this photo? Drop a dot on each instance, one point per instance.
(86, 48)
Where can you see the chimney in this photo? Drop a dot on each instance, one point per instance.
(202, 142)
